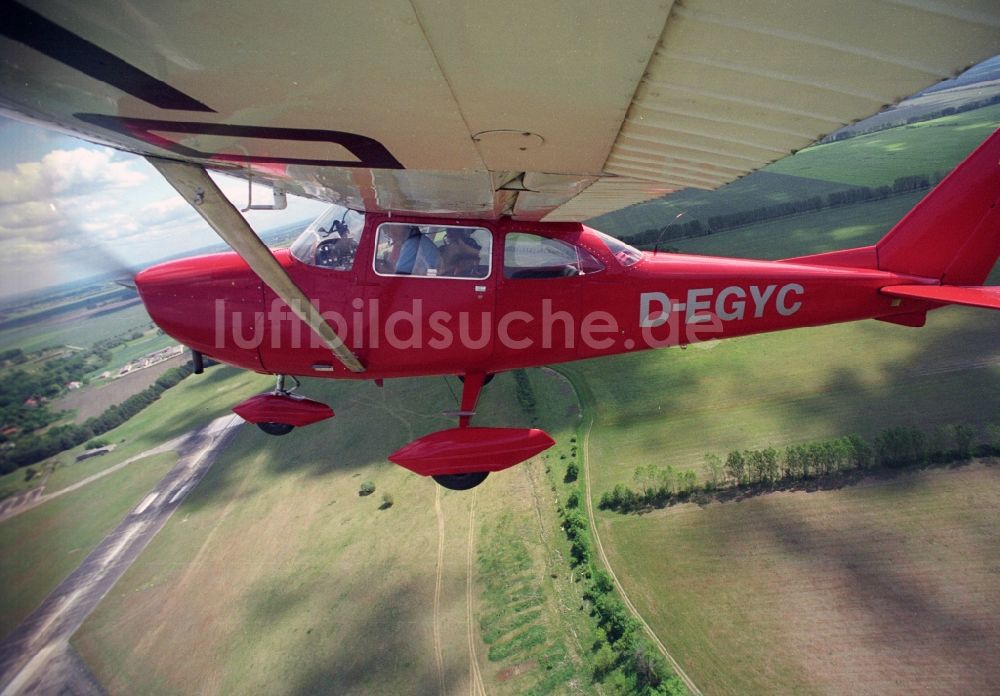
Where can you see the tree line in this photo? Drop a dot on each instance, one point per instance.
(894, 448)
(622, 657)
(729, 221)
(35, 448)
(27, 388)
(852, 132)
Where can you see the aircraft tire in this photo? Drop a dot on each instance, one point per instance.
(276, 428)
(461, 482)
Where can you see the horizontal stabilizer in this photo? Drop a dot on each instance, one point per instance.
(988, 297)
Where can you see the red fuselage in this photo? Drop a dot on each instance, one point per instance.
(402, 326)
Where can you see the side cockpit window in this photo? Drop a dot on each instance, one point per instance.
(331, 241)
(532, 256)
(442, 251)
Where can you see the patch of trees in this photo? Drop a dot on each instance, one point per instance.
(894, 448)
(14, 356)
(524, 392)
(720, 223)
(621, 657)
(35, 448)
(26, 391)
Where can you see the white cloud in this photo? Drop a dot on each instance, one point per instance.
(76, 210)
(66, 201)
(40, 219)
(166, 211)
(67, 173)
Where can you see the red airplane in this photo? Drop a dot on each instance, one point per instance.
(410, 296)
(462, 146)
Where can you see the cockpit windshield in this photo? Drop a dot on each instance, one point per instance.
(625, 255)
(331, 241)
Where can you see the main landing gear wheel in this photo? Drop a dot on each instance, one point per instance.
(276, 428)
(489, 378)
(461, 482)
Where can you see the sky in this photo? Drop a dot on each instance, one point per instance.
(66, 205)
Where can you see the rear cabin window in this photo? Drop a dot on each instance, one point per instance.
(532, 256)
(433, 251)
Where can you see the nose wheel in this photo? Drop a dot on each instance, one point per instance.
(281, 411)
(271, 427)
(276, 428)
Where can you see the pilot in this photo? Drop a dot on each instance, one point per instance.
(418, 255)
(460, 254)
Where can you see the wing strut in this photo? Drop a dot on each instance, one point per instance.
(198, 189)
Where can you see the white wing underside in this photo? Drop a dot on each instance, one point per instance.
(541, 110)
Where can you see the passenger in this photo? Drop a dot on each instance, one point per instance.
(460, 254)
(397, 235)
(418, 255)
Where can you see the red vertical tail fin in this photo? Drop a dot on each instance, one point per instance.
(953, 234)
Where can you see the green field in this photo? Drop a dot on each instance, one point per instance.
(44, 545)
(888, 587)
(877, 159)
(195, 401)
(671, 407)
(70, 329)
(712, 582)
(826, 230)
(294, 583)
(763, 187)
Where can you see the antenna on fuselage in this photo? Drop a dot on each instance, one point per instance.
(656, 247)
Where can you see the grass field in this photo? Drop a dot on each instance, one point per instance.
(42, 546)
(671, 407)
(192, 403)
(870, 160)
(76, 329)
(276, 576)
(879, 158)
(760, 188)
(881, 588)
(887, 587)
(93, 399)
(825, 230)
